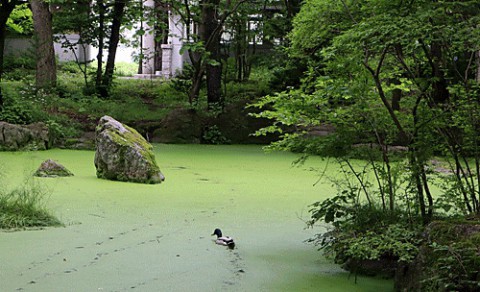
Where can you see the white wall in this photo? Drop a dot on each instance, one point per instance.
(22, 46)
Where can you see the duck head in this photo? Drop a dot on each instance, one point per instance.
(217, 232)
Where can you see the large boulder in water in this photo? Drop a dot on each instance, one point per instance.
(123, 154)
(23, 137)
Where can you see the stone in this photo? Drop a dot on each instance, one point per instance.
(85, 142)
(122, 154)
(50, 168)
(23, 137)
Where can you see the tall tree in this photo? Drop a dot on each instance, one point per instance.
(366, 59)
(99, 24)
(100, 35)
(6, 8)
(210, 35)
(204, 21)
(113, 41)
(161, 31)
(46, 73)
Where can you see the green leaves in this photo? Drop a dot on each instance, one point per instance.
(20, 20)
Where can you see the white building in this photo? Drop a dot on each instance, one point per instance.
(68, 48)
(172, 59)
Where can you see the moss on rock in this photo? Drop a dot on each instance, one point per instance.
(123, 154)
(50, 168)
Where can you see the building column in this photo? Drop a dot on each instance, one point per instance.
(176, 39)
(148, 39)
(167, 61)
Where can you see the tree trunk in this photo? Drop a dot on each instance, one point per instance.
(161, 31)
(440, 93)
(101, 43)
(196, 83)
(6, 8)
(46, 74)
(118, 11)
(211, 37)
(477, 75)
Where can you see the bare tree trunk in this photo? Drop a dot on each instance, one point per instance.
(440, 92)
(211, 37)
(101, 43)
(215, 24)
(6, 9)
(161, 31)
(477, 75)
(196, 83)
(46, 74)
(118, 11)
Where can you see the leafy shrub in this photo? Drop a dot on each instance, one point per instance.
(16, 113)
(363, 233)
(60, 130)
(213, 135)
(69, 67)
(24, 61)
(24, 104)
(363, 230)
(248, 90)
(19, 74)
(453, 257)
(183, 81)
(19, 68)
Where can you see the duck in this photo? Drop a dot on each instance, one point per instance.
(223, 240)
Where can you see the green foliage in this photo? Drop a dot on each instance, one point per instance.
(20, 20)
(59, 130)
(183, 81)
(246, 90)
(69, 67)
(362, 232)
(213, 135)
(22, 104)
(24, 61)
(375, 75)
(24, 207)
(454, 262)
(282, 70)
(16, 113)
(19, 68)
(25, 105)
(395, 241)
(385, 74)
(364, 226)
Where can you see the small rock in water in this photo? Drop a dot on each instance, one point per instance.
(51, 168)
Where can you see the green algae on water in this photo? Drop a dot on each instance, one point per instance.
(121, 236)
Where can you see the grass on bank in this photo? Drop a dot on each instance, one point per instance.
(24, 207)
(72, 107)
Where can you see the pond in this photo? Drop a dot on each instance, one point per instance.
(133, 237)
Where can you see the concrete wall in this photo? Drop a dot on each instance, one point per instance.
(22, 46)
(64, 53)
